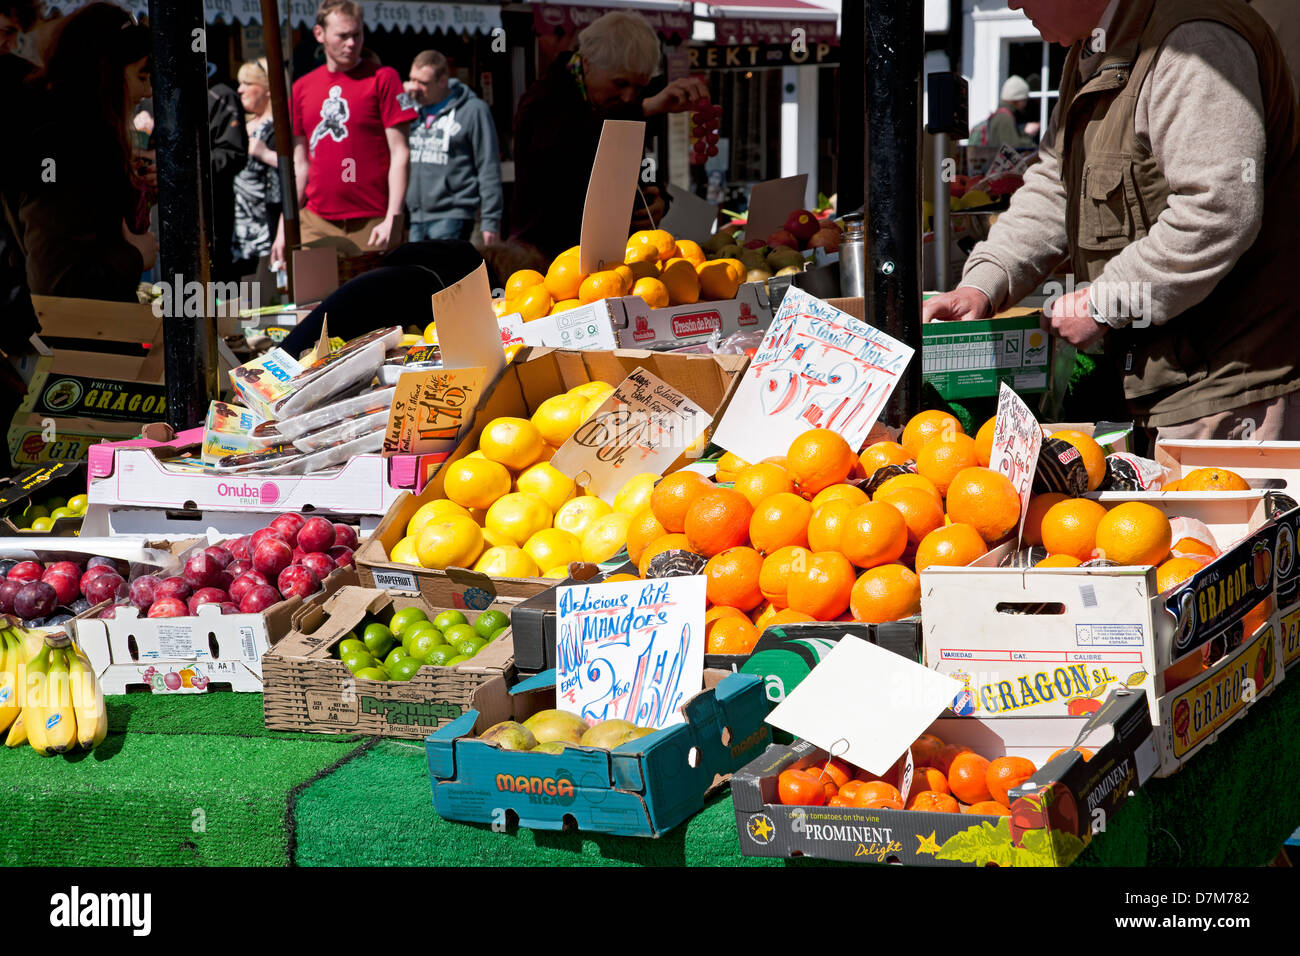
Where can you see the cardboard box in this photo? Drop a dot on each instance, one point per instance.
(62, 478)
(534, 376)
(643, 788)
(309, 690)
(35, 439)
(1266, 466)
(1054, 813)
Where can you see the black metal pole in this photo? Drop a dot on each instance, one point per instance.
(894, 38)
(180, 86)
(852, 92)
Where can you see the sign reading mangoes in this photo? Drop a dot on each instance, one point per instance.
(630, 651)
(430, 408)
(643, 427)
(1017, 439)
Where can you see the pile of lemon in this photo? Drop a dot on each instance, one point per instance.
(509, 513)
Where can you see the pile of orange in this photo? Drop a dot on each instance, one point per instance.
(659, 268)
(946, 778)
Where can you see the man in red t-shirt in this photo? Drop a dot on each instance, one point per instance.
(350, 150)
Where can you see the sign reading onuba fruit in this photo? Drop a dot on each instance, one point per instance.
(817, 367)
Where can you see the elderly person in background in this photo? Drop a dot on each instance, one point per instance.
(1002, 128)
(557, 127)
(257, 185)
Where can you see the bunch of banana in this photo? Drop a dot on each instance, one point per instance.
(62, 704)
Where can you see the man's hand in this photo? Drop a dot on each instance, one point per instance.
(146, 244)
(648, 218)
(964, 304)
(679, 95)
(1070, 318)
(380, 234)
(489, 237)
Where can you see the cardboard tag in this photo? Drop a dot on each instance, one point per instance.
(817, 367)
(689, 215)
(468, 334)
(315, 273)
(771, 203)
(865, 704)
(611, 194)
(643, 427)
(1016, 442)
(632, 651)
(430, 408)
(30, 481)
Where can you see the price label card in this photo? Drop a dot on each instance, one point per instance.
(1016, 442)
(817, 367)
(611, 194)
(631, 651)
(644, 426)
(430, 408)
(468, 335)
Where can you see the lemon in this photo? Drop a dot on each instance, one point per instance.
(577, 514)
(551, 546)
(431, 333)
(635, 495)
(507, 562)
(561, 572)
(514, 442)
(449, 542)
(559, 417)
(442, 508)
(404, 552)
(475, 482)
(518, 516)
(601, 390)
(605, 538)
(548, 483)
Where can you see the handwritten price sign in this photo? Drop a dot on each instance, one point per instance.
(430, 408)
(817, 367)
(644, 426)
(1016, 442)
(632, 651)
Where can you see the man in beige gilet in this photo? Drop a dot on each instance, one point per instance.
(1168, 190)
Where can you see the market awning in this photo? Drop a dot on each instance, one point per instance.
(413, 15)
(671, 19)
(772, 21)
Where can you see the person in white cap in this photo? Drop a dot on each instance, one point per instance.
(1001, 127)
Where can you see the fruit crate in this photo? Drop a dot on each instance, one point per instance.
(1053, 815)
(1054, 641)
(308, 690)
(643, 788)
(1266, 466)
(34, 488)
(534, 376)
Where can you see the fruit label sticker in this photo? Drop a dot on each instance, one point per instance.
(1016, 442)
(631, 651)
(641, 428)
(468, 334)
(817, 367)
(430, 409)
(611, 195)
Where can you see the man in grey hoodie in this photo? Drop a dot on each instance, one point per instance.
(455, 168)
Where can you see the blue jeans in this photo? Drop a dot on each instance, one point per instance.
(442, 229)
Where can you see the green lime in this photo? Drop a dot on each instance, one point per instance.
(55, 503)
(489, 622)
(36, 511)
(446, 619)
(456, 660)
(19, 519)
(358, 661)
(350, 645)
(379, 639)
(498, 633)
(396, 654)
(457, 633)
(423, 643)
(412, 631)
(405, 668)
(404, 617)
(440, 655)
(372, 673)
(79, 503)
(42, 524)
(470, 646)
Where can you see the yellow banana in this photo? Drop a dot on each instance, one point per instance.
(87, 702)
(17, 732)
(10, 697)
(60, 718)
(37, 696)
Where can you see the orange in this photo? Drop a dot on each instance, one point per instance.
(778, 521)
(1134, 533)
(639, 251)
(883, 453)
(1094, 459)
(645, 270)
(826, 527)
(940, 460)
(717, 281)
(1194, 546)
(942, 761)
(563, 305)
(730, 466)
(738, 270)
(653, 292)
(643, 529)
(564, 278)
(984, 441)
(625, 273)
(890, 592)
(1087, 754)
(717, 520)
(988, 808)
(954, 545)
(1006, 773)
(1059, 561)
(823, 587)
(763, 614)
(874, 533)
(663, 243)
(669, 542)
(928, 778)
(929, 801)
(925, 427)
(731, 635)
(1038, 505)
(850, 493)
(1175, 571)
(818, 459)
(719, 611)
(1172, 486)
(986, 500)
(514, 442)
(674, 494)
(1212, 479)
(731, 578)
(475, 482)
(601, 285)
(919, 510)
(889, 485)
(691, 251)
(763, 480)
(786, 616)
(534, 303)
(681, 281)
(1070, 527)
(967, 778)
(774, 577)
(924, 750)
(521, 281)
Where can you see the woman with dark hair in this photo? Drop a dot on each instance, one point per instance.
(80, 219)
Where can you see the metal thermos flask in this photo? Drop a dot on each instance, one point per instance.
(853, 257)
